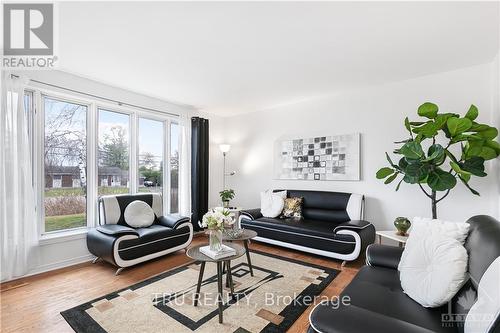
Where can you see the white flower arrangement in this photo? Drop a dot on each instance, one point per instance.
(217, 218)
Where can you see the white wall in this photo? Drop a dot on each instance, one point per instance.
(377, 113)
(57, 253)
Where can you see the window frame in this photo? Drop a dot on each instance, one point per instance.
(166, 150)
(92, 130)
(176, 122)
(90, 210)
(131, 157)
(30, 117)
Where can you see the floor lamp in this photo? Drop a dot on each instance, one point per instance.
(225, 148)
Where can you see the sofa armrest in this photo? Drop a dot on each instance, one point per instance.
(172, 220)
(383, 256)
(252, 214)
(335, 317)
(355, 225)
(116, 230)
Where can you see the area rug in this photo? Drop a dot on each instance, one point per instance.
(270, 301)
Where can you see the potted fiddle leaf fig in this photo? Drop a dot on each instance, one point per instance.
(441, 150)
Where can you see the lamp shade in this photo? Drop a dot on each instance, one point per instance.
(225, 148)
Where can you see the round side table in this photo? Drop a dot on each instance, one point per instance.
(245, 238)
(194, 253)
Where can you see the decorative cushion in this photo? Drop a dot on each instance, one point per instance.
(139, 214)
(424, 227)
(482, 314)
(292, 207)
(433, 269)
(271, 204)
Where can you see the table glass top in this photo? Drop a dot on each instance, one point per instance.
(247, 234)
(194, 253)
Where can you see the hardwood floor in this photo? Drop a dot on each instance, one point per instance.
(33, 304)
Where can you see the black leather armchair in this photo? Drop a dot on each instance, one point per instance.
(377, 303)
(122, 245)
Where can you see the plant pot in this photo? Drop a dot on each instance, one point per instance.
(225, 204)
(215, 240)
(402, 224)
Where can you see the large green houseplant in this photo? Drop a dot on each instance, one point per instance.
(442, 148)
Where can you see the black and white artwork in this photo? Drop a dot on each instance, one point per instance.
(334, 157)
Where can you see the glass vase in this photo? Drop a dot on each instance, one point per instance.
(215, 240)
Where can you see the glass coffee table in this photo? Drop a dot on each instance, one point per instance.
(245, 237)
(194, 253)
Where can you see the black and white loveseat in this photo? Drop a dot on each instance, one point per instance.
(332, 225)
(118, 243)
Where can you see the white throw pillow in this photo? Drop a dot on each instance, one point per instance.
(482, 314)
(271, 204)
(424, 227)
(433, 269)
(139, 214)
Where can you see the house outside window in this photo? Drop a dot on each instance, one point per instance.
(86, 149)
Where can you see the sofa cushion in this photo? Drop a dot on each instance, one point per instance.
(139, 214)
(308, 233)
(424, 227)
(292, 208)
(299, 225)
(151, 240)
(433, 269)
(271, 204)
(487, 306)
(112, 207)
(116, 230)
(322, 205)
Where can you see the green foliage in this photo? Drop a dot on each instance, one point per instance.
(428, 110)
(384, 172)
(114, 149)
(152, 175)
(432, 147)
(63, 222)
(227, 195)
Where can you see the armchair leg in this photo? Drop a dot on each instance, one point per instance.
(96, 259)
(119, 270)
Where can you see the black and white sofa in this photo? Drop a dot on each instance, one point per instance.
(377, 303)
(332, 225)
(122, 245)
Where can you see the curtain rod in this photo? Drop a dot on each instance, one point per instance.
(99, 97)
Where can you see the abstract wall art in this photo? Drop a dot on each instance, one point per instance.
(329, 157)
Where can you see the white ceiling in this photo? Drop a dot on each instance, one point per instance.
(229, 58)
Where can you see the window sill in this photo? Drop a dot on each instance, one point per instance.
(62, 236)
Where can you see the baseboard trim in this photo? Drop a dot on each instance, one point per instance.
(54, 266)
(70, 262)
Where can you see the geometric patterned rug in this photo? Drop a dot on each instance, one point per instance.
(270, 301)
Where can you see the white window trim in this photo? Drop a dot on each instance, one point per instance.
(93, 106)
(91, 196)
(131, 157)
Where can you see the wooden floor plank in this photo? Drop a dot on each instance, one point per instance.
(33, 304)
